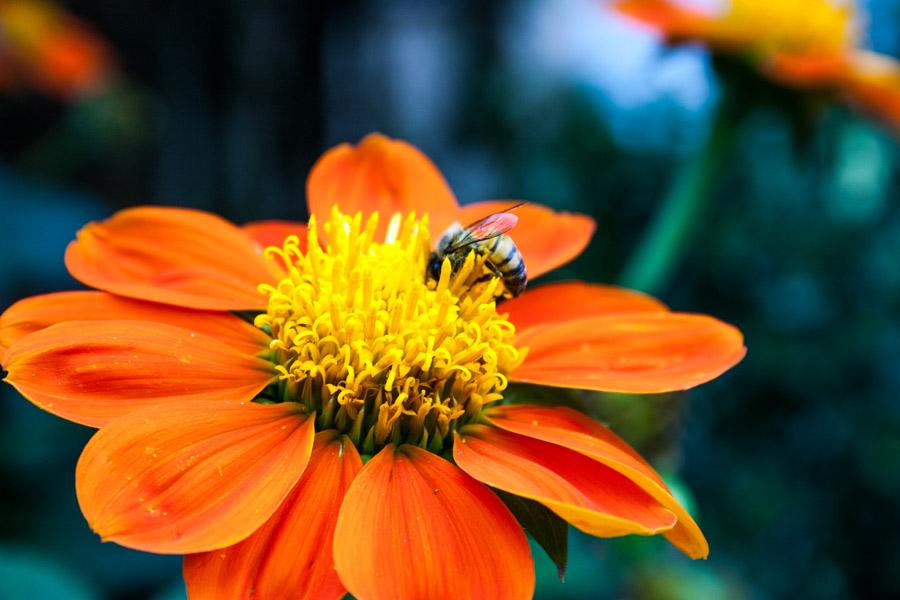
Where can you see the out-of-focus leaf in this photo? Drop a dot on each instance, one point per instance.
(859, 192)
(25, 575)
(526, 393)
(680, 582)
(547, 529)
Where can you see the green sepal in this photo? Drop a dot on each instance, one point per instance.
(542, 524)
(368, 445)
(423, 439)
(436, 443)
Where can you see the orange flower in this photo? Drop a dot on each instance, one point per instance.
(349, 439)
(806, 44)
(43, 46)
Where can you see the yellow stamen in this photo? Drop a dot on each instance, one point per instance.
(361, 338)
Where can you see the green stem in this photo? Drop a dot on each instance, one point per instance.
(653, 263)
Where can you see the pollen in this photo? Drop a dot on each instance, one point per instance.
(364, 340)
(792, 26)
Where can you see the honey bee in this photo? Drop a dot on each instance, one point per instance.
(488, 238)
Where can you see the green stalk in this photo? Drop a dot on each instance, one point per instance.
(653, 263)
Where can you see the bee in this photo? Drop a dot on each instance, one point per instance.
(488, 238)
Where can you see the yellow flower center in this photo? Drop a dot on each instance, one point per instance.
(792, 26)
(363, 339)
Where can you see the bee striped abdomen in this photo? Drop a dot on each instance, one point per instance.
(504, 256)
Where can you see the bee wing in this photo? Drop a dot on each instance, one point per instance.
(487, 228)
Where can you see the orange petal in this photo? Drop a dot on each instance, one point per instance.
(547, 239)
(584, 492)
(192, 477)
(640, 353)
(414, 526)
(380, 174)
(91, 372)
(571, 429)
(172, 255)
(53, 50)
(72, 61)
(872, 84)
(806, 70)
(674, 20)
(289, 556)
(554, 302)
(273, 233)
(39, 312)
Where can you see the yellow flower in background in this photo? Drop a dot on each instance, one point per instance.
(805, 44)
(792, 27)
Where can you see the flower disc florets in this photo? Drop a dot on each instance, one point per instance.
(363, 339)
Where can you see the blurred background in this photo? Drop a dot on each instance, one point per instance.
(790, 462)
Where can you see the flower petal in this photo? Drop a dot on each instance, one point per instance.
(289, 556)
(273, 233)
(569, 428)
(174, 256)
(91, 372)
(414, 526)
(547, 239)
(589, 495)
(673, 20)
(554, 302)
(39, 312)
(872, 84)
(380, 174)
(806, 70)
(640, 353)
(192, 477)
(71, 62)
(47, 47)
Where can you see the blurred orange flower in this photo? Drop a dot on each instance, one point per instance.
(805, 44)
(349, 438)
(45, 47)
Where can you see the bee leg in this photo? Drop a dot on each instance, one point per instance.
(493, 274)
(494, 270)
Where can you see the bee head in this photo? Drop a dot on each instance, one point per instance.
(433, 270)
